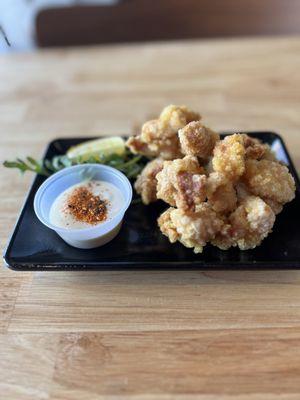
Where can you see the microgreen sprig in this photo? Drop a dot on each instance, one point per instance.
(128, 163)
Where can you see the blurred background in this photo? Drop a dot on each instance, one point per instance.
(29, 24)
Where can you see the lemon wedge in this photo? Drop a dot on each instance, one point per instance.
(103, 146)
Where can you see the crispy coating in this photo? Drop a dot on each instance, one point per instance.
(257, 150)
(223, 239)
(276, 207)
(159, 137)
(221, 193)
(161, 140)
(251, 222)
(241, 191)
(136, 146)
(247, 226)
(229, 157)
(192, 229)
(197, 140)
(270, 180)
(146, 183)
(167, 226)
(176, 117)
(182, 183)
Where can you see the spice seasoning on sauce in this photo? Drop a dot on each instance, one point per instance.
(86, 207)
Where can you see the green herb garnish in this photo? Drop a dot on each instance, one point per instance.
(128, 163)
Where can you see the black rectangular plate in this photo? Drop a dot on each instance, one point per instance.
(140, 245)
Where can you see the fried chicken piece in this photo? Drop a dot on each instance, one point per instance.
(146, 183)
(167, 226)
(176, 117)
(161, 140)
(251, 222)
(136, 146)
(221, 193)
(230, 200)
(182, 183)
(254, 148)
(197, 140)
(276, 207)
(269, 180)
(247, 226)
(192, 229)
(257, 150)
(159, 137)
(208, 167)
(229, 156)
(224, 239)
(241, 191)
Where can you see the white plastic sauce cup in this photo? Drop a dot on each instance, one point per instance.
(96, 235)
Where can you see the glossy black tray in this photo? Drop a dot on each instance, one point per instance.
(140, 243)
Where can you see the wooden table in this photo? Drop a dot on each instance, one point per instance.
(146, 335)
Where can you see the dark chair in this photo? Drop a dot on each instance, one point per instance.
(145, 20)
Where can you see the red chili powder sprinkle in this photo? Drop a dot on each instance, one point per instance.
(86, 207)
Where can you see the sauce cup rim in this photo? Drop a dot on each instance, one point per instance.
(38, 198)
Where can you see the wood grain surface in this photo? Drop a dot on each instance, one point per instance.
(146, 334)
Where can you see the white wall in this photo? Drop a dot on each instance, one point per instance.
(17, 19)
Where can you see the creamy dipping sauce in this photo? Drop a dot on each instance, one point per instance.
(61, 215)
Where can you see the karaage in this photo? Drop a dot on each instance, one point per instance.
(146, 182)
(226, 192)
(192, 229)
(197, 140)
(182, 183)
(159, 137)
